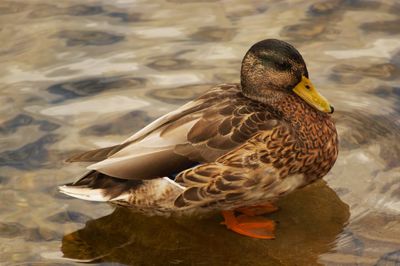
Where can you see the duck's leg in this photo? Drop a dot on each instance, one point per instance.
(258, 209)
(252, 226)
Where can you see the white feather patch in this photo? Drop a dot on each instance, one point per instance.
(84, 193)
(290, 183)
(174, 183)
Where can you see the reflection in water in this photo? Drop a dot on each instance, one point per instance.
(309, 222)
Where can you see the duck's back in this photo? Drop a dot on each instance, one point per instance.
(198, 132)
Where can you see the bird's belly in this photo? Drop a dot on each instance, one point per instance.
(261, 193)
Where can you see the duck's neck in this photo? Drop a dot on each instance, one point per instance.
(290, 108)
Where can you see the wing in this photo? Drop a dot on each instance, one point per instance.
(186, 113)
(200, 131)
(266, 166)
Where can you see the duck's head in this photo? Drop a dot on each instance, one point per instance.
(272, 67)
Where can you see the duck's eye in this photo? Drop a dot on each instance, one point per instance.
(282, 65)
(266, 61)
(275, 63)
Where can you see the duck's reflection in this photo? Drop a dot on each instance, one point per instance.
(309, 222)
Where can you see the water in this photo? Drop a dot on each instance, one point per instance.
(79, 75)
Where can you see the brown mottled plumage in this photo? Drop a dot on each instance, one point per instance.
(237, 145)
(302, 143)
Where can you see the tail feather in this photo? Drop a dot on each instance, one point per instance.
(85, 193)
(95, 186)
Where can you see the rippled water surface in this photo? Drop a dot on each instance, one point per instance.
(77, 75)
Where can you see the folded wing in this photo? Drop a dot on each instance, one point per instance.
(198, 132)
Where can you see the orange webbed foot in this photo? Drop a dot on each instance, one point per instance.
(258, 209)
(252, 226)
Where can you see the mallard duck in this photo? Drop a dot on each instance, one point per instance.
(237, 148)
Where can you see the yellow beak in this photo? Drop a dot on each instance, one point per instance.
(305, 89)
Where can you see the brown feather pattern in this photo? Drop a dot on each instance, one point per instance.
(255, 142)
(299, 145)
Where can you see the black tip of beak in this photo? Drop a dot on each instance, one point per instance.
(332, 109)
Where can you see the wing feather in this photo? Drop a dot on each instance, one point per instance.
(94, 155)
(248, 173)
(200, 131)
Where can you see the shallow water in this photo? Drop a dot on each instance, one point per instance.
(78, 76)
